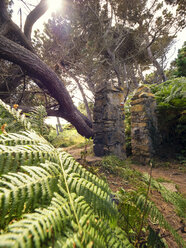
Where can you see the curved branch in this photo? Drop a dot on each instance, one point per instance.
(35, 68)
(34, 15)
(10, 29)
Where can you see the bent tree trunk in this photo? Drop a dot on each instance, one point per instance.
(35, 68)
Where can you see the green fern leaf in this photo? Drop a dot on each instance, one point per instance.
(24, 191)
(156, 216)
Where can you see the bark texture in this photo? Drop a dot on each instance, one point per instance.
(35, 68)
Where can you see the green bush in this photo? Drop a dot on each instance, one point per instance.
(181, 62)
(171, 105)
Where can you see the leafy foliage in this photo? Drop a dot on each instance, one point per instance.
(137, 214)
(173, 197)
(48, 199)
(171, 103)
(67, 138)
(181, 62)
(37, 119)
(13, 118)
(139, 217)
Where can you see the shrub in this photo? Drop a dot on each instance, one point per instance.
(171, 103)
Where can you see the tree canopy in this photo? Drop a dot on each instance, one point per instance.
(90, 42)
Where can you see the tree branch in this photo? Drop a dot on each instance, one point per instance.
(10, 29)
(34, 15)
(34, 67)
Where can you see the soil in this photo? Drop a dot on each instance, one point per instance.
(173, 176)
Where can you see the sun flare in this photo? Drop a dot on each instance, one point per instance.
(54, 5)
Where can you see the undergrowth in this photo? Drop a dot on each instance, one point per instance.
(47, 199)
(138, 214)
(67, 138)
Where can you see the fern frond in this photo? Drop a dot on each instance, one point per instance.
(173, 197)
(15, 119)
(79, 181)
(12, 157)
(37, 119)
(97, 198)
(22, 138)
(156, 216)
(21, 192)
(71, 165)
(34, 229)
(94, 231)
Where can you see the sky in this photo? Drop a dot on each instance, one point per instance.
(56, 5)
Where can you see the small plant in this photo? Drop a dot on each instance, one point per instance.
(173, 197)
(111, 164)
(85, 152)
(137, 217)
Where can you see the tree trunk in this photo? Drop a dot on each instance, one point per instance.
(59, 125)
(83, 95)
(127, 89)
(85, 101)
(138, 68)
(156, 64)
(134, 79)
(35, 68)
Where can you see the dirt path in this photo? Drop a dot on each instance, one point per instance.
(174, 175)
(170, 174)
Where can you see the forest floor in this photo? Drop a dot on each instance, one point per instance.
(171, 174)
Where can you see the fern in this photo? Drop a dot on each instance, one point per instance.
(37, 119)
(30, 152)
(21, 138)
(156, 216)
(173, 197)
(13, 118)
(132, 206)
(57, 222)
(70, 165)
(48, 199)
(21, 192)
